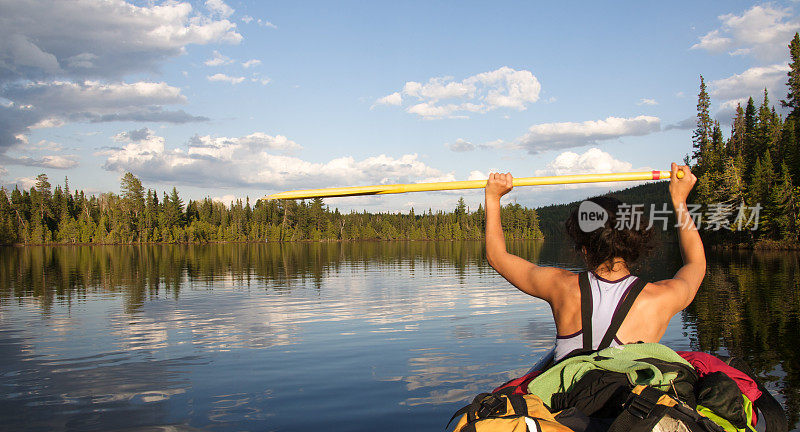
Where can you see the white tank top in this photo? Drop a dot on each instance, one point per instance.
(606, 298)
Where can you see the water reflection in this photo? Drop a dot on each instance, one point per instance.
(749, 306)
(245, 336)
(61, 273)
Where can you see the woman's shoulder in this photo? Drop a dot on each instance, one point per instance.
(666, 295)
(566, 282)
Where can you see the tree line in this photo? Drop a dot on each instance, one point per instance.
(757, 166)
(47, 215)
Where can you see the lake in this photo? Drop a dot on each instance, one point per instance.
(357, 336)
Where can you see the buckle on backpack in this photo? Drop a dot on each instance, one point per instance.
(490, 405)
(640, 407)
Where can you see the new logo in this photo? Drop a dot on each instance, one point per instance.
(591, 216)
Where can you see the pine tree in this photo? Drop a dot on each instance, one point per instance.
(43, 195)
(763, 134)
(173, 209)
(461, 207)
(716, 150)
(782, 207)
(702, 135)
(732, 187)
(792, 100)
(757, 183)
(791, 146)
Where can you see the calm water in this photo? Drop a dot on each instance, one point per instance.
(354, 336)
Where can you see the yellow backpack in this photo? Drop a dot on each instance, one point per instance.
(491, 412)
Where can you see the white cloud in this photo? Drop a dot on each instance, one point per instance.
(217, 59)
(60, 162)
(460, 145)
(247, 19)
(30, 154)
(726, 111)
(751, 82)
(219, 7)
(439, 88)
(762, 31)
(71, 61)
(251, 63)
(24, 183)
(442, 177)
(86, 39)
(50, 161)
(488, 91)
(67, 97)
(685, 124)
(393, 99)
(713, 42)
(44, 145)
(225, 78)
(431, 110)
(477, 175)
(52, 104)
(227, 199)
(225, 147)
(46, 123)
(591, 161)
(263, 81)
(265, 23)
(252, 161)
(82, 60)
(645, 101)
(552, 136)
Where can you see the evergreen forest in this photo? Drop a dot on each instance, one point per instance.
(46, 215)
(757, 166)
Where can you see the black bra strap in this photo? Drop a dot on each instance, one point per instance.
(622, 312)
(586, 309)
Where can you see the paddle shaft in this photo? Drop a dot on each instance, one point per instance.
(469, 184)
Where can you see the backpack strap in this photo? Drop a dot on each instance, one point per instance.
(489, 404)
(646, 406)
(586, 309)
(470, 410)
(641, 412)
(461, 411)
(622, 311)
(519, 404)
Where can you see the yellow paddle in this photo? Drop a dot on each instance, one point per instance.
(470, 184)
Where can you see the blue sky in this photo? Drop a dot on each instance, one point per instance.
(234, 99)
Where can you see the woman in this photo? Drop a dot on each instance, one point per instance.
(608, 255)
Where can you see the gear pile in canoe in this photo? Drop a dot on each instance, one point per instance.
(633, 387)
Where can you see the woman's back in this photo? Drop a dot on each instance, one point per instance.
(640, 322)
(608, 250)
(606, 301)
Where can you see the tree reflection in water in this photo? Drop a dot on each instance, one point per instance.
(749, 307)
(383, 292)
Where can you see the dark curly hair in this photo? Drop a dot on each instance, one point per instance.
(608, 242)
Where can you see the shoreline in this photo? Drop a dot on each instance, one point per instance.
(253, 242)
(762, 245)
